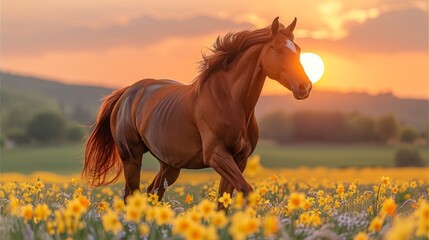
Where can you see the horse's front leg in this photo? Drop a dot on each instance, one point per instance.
(227, 187)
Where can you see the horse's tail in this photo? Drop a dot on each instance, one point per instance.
(101, 153)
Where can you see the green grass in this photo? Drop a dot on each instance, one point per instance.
(64, 159)
(329, 155)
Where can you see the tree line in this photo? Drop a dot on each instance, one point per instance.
(336, 127)
(44, 127)
(308, 126)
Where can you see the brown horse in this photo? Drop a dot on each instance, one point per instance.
(208, 123)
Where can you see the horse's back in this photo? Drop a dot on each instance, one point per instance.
(162, 113)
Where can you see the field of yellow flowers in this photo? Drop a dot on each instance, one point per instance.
(283, 206)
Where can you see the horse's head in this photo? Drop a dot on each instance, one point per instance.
(280, 61)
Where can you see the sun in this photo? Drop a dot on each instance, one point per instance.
(313, 66)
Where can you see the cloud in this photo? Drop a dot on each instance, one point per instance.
(141, 31)
(403, 30)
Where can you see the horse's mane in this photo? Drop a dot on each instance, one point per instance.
(226, 49)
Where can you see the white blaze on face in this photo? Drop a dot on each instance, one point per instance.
(291, 46)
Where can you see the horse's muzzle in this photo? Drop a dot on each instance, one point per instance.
(303, 91)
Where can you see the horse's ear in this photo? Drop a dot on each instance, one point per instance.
(291, 27)
(275, 26)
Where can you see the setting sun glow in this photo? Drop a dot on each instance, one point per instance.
(313, 66)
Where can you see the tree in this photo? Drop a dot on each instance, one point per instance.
(319, 126)
(360, 128)
(46, 127)
(387, 127)
(276, 126)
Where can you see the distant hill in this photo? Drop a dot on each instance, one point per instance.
(39, 93)
(64, 94)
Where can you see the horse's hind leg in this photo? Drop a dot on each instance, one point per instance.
(166, 176)
(131, 153)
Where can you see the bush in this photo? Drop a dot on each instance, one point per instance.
(409, 135)
(18, 136)
(408, 157)
(74, 134)
(47, 126)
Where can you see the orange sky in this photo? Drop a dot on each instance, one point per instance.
(368, 45)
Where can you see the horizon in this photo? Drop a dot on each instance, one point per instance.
(286, 93)
(367, 46)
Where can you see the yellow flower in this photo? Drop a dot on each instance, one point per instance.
(75, 208)
(401, 229)
(39, 185)
(389, 207)
(296, 200)
(376, 224)
(253, 199)
(413, 184)
(27, 212)
(308, 202)
(219, 219)
(41, 212)
(13, 205)
(50, 227)
(189, 199)
(132, 214)
(395, 189)
(182, 224)
(180, 190)
(111, 222)
(194, 214)
(163, 215)
(225, 199)
(243, 225)
(271, 225)
(239, 200)
(153, 198)
(73, 182)
(195, 232)
(107, 191)
(253, 165)
(274, 178)
(118, 204)
(102, 206)
(210, 233)
(304, 218)
(206, 208)
(385, 180)
(84, 202)
(370, 210)
(340, 188)
(422, 215)
(144, 229)
(212, 195)
(138, 201)
(315, 220)
(361, 236)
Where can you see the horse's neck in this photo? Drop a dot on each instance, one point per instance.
(246, 78)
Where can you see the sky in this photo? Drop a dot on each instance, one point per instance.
(373, 46)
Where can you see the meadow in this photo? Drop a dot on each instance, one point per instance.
(286, 204)
(345, 199)
(68, 158)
